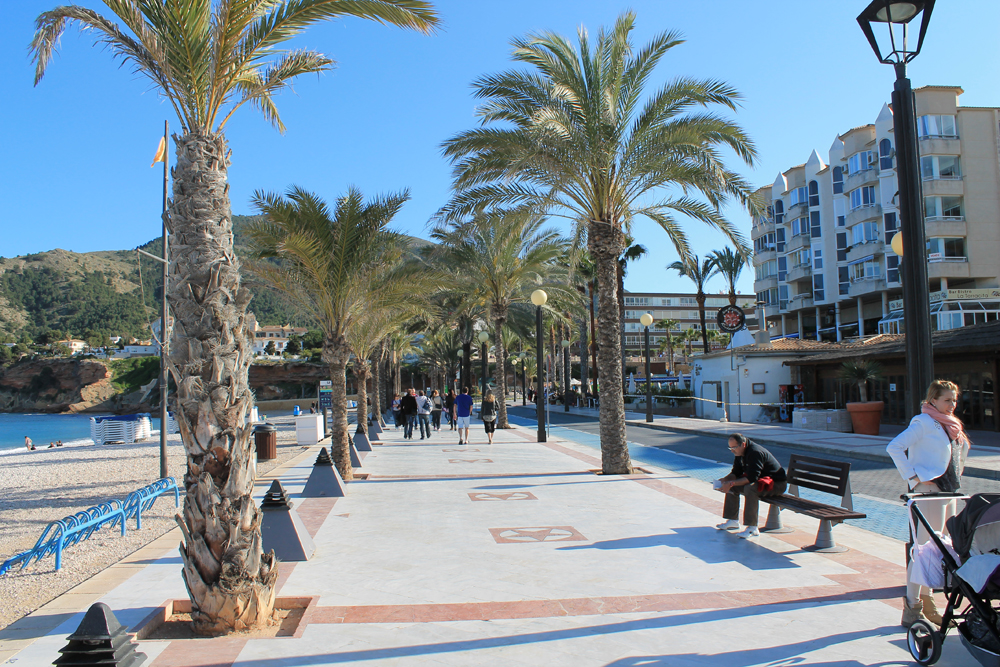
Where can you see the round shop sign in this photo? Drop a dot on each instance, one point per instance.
(731, 319)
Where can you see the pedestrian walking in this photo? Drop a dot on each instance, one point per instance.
(463, 415)
(488, 413)
(436, 406)
(397, 411)
(449, 407)
(408, 406)
(424, 409)
(756, 473)
(930, 456)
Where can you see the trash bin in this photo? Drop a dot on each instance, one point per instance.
(266, 440)
(295, 411)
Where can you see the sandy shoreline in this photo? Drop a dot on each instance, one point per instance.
(48, 484)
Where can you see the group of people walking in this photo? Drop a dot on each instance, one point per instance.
(423, 410)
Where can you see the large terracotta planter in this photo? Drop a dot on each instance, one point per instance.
(866, 417)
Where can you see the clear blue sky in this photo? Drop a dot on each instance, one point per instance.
(75, 172)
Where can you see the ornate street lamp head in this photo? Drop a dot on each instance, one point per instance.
(483, 336)
(896, 16)
(539, 297)
(646, 319)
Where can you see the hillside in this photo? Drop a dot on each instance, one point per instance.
(108, 292)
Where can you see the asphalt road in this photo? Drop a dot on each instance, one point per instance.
(878, 480)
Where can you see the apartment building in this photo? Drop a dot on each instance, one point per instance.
(824, 268)
(674, 306)
(262, 335)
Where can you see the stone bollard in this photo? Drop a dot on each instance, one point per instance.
(361, 441)
(100, 640)
(375, 428)
(281, 528)
(324, 480)
(355, 459)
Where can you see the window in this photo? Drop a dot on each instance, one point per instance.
(889, 219)
(841, 246)
(866, 232)
(892, 268)
(819, 294)
(945, 248)
(885, 154)
(944, 167)
(779, 213)
(800, 226)
(782, 268)
(862, 161)
(766, 270)
(838, 181)
(817, 259)
(636, 301)
(844, 279)
(815, 230)
(783, 296)
(867, 270)
(801, 258)
(798, 196)
(929, 127)
(813, 193)
(943, 207)
(779, 239)
(863, 196)
(689, 301)
(762, 244)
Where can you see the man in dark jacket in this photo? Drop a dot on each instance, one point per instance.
(755, 473)
(408, 406)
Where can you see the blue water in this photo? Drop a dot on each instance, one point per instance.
(43, 429)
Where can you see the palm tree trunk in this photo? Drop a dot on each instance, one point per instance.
(584, 361)
(605, 246)
(700, 297)
(501, 374)
(620, 283)
(593, 337)
(466, 364)
(362, 370)
(230, 580)
(336, 355)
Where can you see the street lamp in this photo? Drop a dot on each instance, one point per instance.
(539, 297)
(483, 337)
(566, 375)
(646, 320)
(896, 16)
(524, 378)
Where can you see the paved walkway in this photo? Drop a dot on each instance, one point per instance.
(518, 554)
(984, 457)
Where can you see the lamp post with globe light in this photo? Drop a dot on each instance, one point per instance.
(539, 297)
(523, 357)
(566, 374)
(646, 320)
(893, 18)
(483, 338)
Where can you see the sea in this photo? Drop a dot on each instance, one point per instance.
(43, 429)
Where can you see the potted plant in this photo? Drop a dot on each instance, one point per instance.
(866, 416)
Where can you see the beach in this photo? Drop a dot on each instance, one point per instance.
(48, 484)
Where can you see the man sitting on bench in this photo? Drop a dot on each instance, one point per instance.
(755, 473)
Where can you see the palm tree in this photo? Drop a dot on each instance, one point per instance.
(730, 264)
(502, 259)
(699, 273)
(633, 252)
(667, 342)
(208, 58)
(688, 336)
(337, 268)
(571, 135)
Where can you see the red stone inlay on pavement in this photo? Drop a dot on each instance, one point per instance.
(512, 495)
(470, 460)
(537, 534)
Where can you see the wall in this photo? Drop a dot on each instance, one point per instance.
(768, 370)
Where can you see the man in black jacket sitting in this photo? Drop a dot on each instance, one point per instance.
(755, 473)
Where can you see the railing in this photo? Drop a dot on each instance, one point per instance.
(74, 529)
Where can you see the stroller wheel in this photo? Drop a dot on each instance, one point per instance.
(924, 643)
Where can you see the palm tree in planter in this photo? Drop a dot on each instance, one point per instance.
(577, 133)
(866, 416)
(730, 264)
(208, 58)
(699, 272)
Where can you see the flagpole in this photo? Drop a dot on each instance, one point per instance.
(164, 328)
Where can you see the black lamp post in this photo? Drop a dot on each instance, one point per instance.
(896, 15)
(566, 374)
(646, 320)
(524, 378)
(483, 337)
(539, 297)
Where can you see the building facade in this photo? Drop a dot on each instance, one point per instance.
(273, 334)
(823, 262)
(674, 306)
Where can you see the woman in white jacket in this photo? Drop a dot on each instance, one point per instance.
(930, 455)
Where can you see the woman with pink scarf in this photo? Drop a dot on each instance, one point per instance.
(930, 455)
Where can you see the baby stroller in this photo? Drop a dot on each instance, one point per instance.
(971, 582)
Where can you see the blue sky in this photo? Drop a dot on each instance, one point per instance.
(75, 172)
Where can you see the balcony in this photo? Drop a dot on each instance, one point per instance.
(861, 250)
(940, 226)
(800, 301)
(798, 242)
(797, 210)
(760, 229)
(867, 176)
(940, 146)
(948, 267)
(768, 255)
(943, 187)
(770, 282)
(866, 286)
(863, 213)
(799, 272)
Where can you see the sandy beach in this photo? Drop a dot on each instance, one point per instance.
(48, 484)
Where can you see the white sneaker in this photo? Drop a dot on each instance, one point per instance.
(750, 531)
(732, 524)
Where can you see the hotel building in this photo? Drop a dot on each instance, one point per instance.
(682, 307)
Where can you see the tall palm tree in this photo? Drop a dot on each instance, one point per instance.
(577, 134)
(667, 342)
(633, 252)
(337, 266)
(730, 264)
(208, 58)
(699, 272)
(503, 259)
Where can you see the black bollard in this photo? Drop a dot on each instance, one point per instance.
(281, 529)
(100, 640)
(324, 480)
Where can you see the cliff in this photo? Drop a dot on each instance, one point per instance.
(58, 385)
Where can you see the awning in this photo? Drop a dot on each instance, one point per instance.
(863, 259)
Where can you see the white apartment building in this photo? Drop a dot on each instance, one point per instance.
(822, 257)
(262, 335)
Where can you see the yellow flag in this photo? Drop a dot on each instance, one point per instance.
(161, 152)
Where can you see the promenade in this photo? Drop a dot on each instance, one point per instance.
(519, 554)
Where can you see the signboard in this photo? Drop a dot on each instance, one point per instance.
(731, 319)
(954, 295)
(325, 394)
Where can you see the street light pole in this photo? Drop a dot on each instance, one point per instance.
(566, 375)
(646, 320)
(539, 297)
(524, 378)
(896, 15)
(483, 337)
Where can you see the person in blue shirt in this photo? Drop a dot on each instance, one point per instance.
(463, 414)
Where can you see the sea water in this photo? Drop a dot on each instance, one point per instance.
(44, 428)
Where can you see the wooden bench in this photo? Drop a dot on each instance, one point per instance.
(831, 477)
